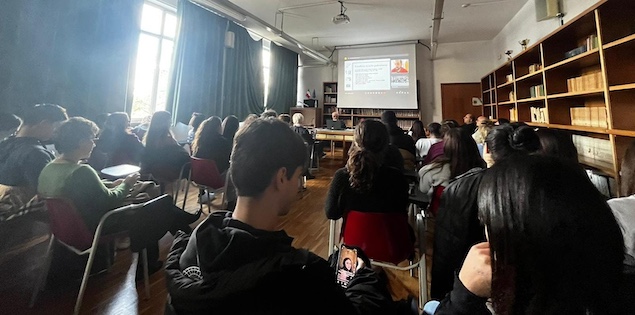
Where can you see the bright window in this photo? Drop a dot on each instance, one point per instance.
(154, 60)
(266, 61)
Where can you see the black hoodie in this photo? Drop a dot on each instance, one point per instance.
(249, 271)
(21, 161)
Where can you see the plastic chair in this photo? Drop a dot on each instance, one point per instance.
(205, 175)
(386, 240)
(435, 200)
(68, 229)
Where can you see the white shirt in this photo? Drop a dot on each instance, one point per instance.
(624, 212)
(423, 146)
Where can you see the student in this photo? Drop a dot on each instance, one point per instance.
(366, 183)
(436, 149)
(240, 263)
(398, 136)
(22, 157)
(483, 126)
(555, 248)
(269, 113)
(66, 177)
(461, 155)
(468, 123)
(211, 145)
(298, 120)
(229, 127)
(9, 124)
(417, 131)
(195, 122)
(433, 135)
(457, 226)
(116, 143)
(624, 207)
(286, 118)
(163, 157)
(557, 143)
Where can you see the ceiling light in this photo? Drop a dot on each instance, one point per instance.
(465, 5)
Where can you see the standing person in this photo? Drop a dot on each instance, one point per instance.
(229, 127)
(209, 144)
(195, 122)
(468, 123)
(9, 124)
(23, 156)
(239, 256)
(555, 248)
(163, 157)
(117, 143)
(433, 135)
(367, 184)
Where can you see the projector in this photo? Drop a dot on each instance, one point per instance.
(341, 19)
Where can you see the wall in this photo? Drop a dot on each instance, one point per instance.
(524, 25)
(459, 63)
(312, 77)
(425, 75)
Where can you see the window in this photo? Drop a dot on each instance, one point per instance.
(266, 61)
(154, 60)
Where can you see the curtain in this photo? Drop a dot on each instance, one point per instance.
(198, 61)
(244, 86)
(283, 79)
(75, 53)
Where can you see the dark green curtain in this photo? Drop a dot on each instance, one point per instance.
(75, 53)
(244, 86)
(283, 79)
(197, 67)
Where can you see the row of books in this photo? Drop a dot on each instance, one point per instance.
(509, 77)
(594, 149)
(537, 91)
(587, 82)
(589, 116)
(590, 43)
(538, 114)
(378, 112)
(535, 67)
(330, 89)
(513, 114)
(330, 99)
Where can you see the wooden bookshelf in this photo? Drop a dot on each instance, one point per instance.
(586, 65)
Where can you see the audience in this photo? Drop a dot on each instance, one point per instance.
(240, 263)
(460, 155)
(502, 121)
(468, 123)
(9, 124)
(557, 143)
(398, 136)
(229, 127)
(269, 113)
(553, 245)
(195, 122)
(457, 226)
(286, 118)
(248, 120)
(436, 149)
(483, 126)
(366, 184)
(417, 131)
(163, 157)
(116, 144)
(209, 144)
(141, 129)
(80, 183)
(298, 121)
(433, 134)
(23, 156)
(624, 207)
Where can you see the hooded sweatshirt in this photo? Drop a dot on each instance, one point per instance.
(21, 161)
(229, 267)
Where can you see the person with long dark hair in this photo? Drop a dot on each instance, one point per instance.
(229, 127)
(557, 143)
(460, 155)
(211, 145)
(366, 184)
(417, 131)
(553, 245)
(163, 157)
(116, 143)
(624, 207)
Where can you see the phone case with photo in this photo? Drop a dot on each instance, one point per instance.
(346, 265)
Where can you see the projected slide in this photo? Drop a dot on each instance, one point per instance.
(380, 77)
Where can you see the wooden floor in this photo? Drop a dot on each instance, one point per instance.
(116, 291)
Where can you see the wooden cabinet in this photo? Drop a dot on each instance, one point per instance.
(352, 116)
(580, 78)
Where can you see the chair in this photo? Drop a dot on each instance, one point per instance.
(435, 200)
(386, 240)
(205, 175)
(68, 229)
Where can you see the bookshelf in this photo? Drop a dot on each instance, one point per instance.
(352, 116)
(579, 78)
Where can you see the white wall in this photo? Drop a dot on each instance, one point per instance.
(312, 77)
(425, 75)
(459, 63)
(524, 25)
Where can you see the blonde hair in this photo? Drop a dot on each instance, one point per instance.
(298, 119)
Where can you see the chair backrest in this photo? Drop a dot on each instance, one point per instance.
(204, 172)
(409, 159)
(66, 224)
(382, 236)
(435, 201)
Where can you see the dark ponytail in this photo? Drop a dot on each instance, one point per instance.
(366, 154)
(507, 140)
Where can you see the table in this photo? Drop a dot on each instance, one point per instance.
(119, 171)
(345, 136)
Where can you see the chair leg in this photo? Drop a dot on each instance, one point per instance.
(82, 287)
(187, 189)
(41, 281)
(146, 276)
(423, 281)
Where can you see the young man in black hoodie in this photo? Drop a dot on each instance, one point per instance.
(240, 263)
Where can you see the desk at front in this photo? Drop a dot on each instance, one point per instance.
(343, 136)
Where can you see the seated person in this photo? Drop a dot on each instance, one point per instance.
(433, 134)
(398, 136)
(555, 248)
(209, 144)
(286, 118)
(483, 126)
(335, 123)
(22, 157)
(468, 123)
(269, 113)
(65, 177)
(624, 207)
(117, 144)
(240, 263)
(557, 143)
(298, 120)
(436, 149)
(195, 122)
(229, 127)
(366, 184)
(417, 131)
(163, 157)
(9, 124)
(461, 155)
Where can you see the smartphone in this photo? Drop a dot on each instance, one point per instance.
(346, 265)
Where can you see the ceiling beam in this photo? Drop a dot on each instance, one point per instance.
(437, 16)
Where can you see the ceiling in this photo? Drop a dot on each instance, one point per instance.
(384, 20)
